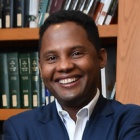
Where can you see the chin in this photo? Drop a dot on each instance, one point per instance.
(70, 97)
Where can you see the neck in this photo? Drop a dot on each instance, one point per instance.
(72, 112)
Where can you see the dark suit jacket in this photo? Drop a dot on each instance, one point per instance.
(110, 120)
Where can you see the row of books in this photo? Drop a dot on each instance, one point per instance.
(32, 13)
(18, 13)
(22, 87)
(20, 82)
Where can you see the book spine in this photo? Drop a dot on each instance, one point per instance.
(42, 12)
(56, 5)
(88, 6)
(25, 80)
(98, 10)
(13, 74)
(47, 94)
(47, 13)
(26, 13)
(18, 13)
(8, 14)
(103, 13)
(39, 11)
(66, 5)
(35, 80)
(4, 82)
(80, 5)
(1, 13)
(92, 11)
(43, 98)
(103, 82)
(33, 12)
(48, 8)
(73, 4)
(111, 12)
(49, 97)
(112, 96)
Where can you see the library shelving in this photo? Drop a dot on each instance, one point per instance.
(24, 34)
(28, 37)
(126, 36)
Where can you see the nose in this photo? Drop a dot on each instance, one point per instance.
(65, 65)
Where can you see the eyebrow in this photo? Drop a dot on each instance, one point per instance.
(78, 47)
(71, 49)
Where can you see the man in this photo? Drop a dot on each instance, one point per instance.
(70, 61)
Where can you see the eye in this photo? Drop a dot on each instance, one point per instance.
(51, 59)
(77, 54)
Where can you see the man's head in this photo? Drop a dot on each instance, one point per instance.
(75, 16)
(70, 59)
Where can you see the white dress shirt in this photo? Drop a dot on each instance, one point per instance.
(75, 130)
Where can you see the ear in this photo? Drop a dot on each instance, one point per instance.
(39, 68)
(103, 57)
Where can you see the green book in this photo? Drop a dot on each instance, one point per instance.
(13, 74)
(18, 13)
(35, 80)
(4, 83)
(25, 80)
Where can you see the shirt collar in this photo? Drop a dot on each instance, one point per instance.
(89, 107)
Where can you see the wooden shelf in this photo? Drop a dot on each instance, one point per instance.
(6, 113)
(16, 34)
(108, 31)
(31, 34)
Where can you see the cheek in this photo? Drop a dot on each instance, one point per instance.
(92, 71)
(46, 72)
(89, 65)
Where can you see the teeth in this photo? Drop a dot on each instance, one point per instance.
(66, 81)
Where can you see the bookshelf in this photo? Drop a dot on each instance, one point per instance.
(30, 36)
(6, 113)
(126, 33)
(15, 34)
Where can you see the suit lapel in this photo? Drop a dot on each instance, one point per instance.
(51, 126)
(98, 126)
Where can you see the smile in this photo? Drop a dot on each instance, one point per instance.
(67, 81)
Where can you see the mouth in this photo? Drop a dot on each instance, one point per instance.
(68, 80)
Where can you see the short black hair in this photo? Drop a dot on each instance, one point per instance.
(74, 16)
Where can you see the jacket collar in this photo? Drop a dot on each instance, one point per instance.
(51, 126)
(99, 122)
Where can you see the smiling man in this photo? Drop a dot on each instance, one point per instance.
(70, 59)
(70, 65)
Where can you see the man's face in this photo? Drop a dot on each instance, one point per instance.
(69, 64)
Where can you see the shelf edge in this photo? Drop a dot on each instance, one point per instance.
(15, 34)
(6, 113)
